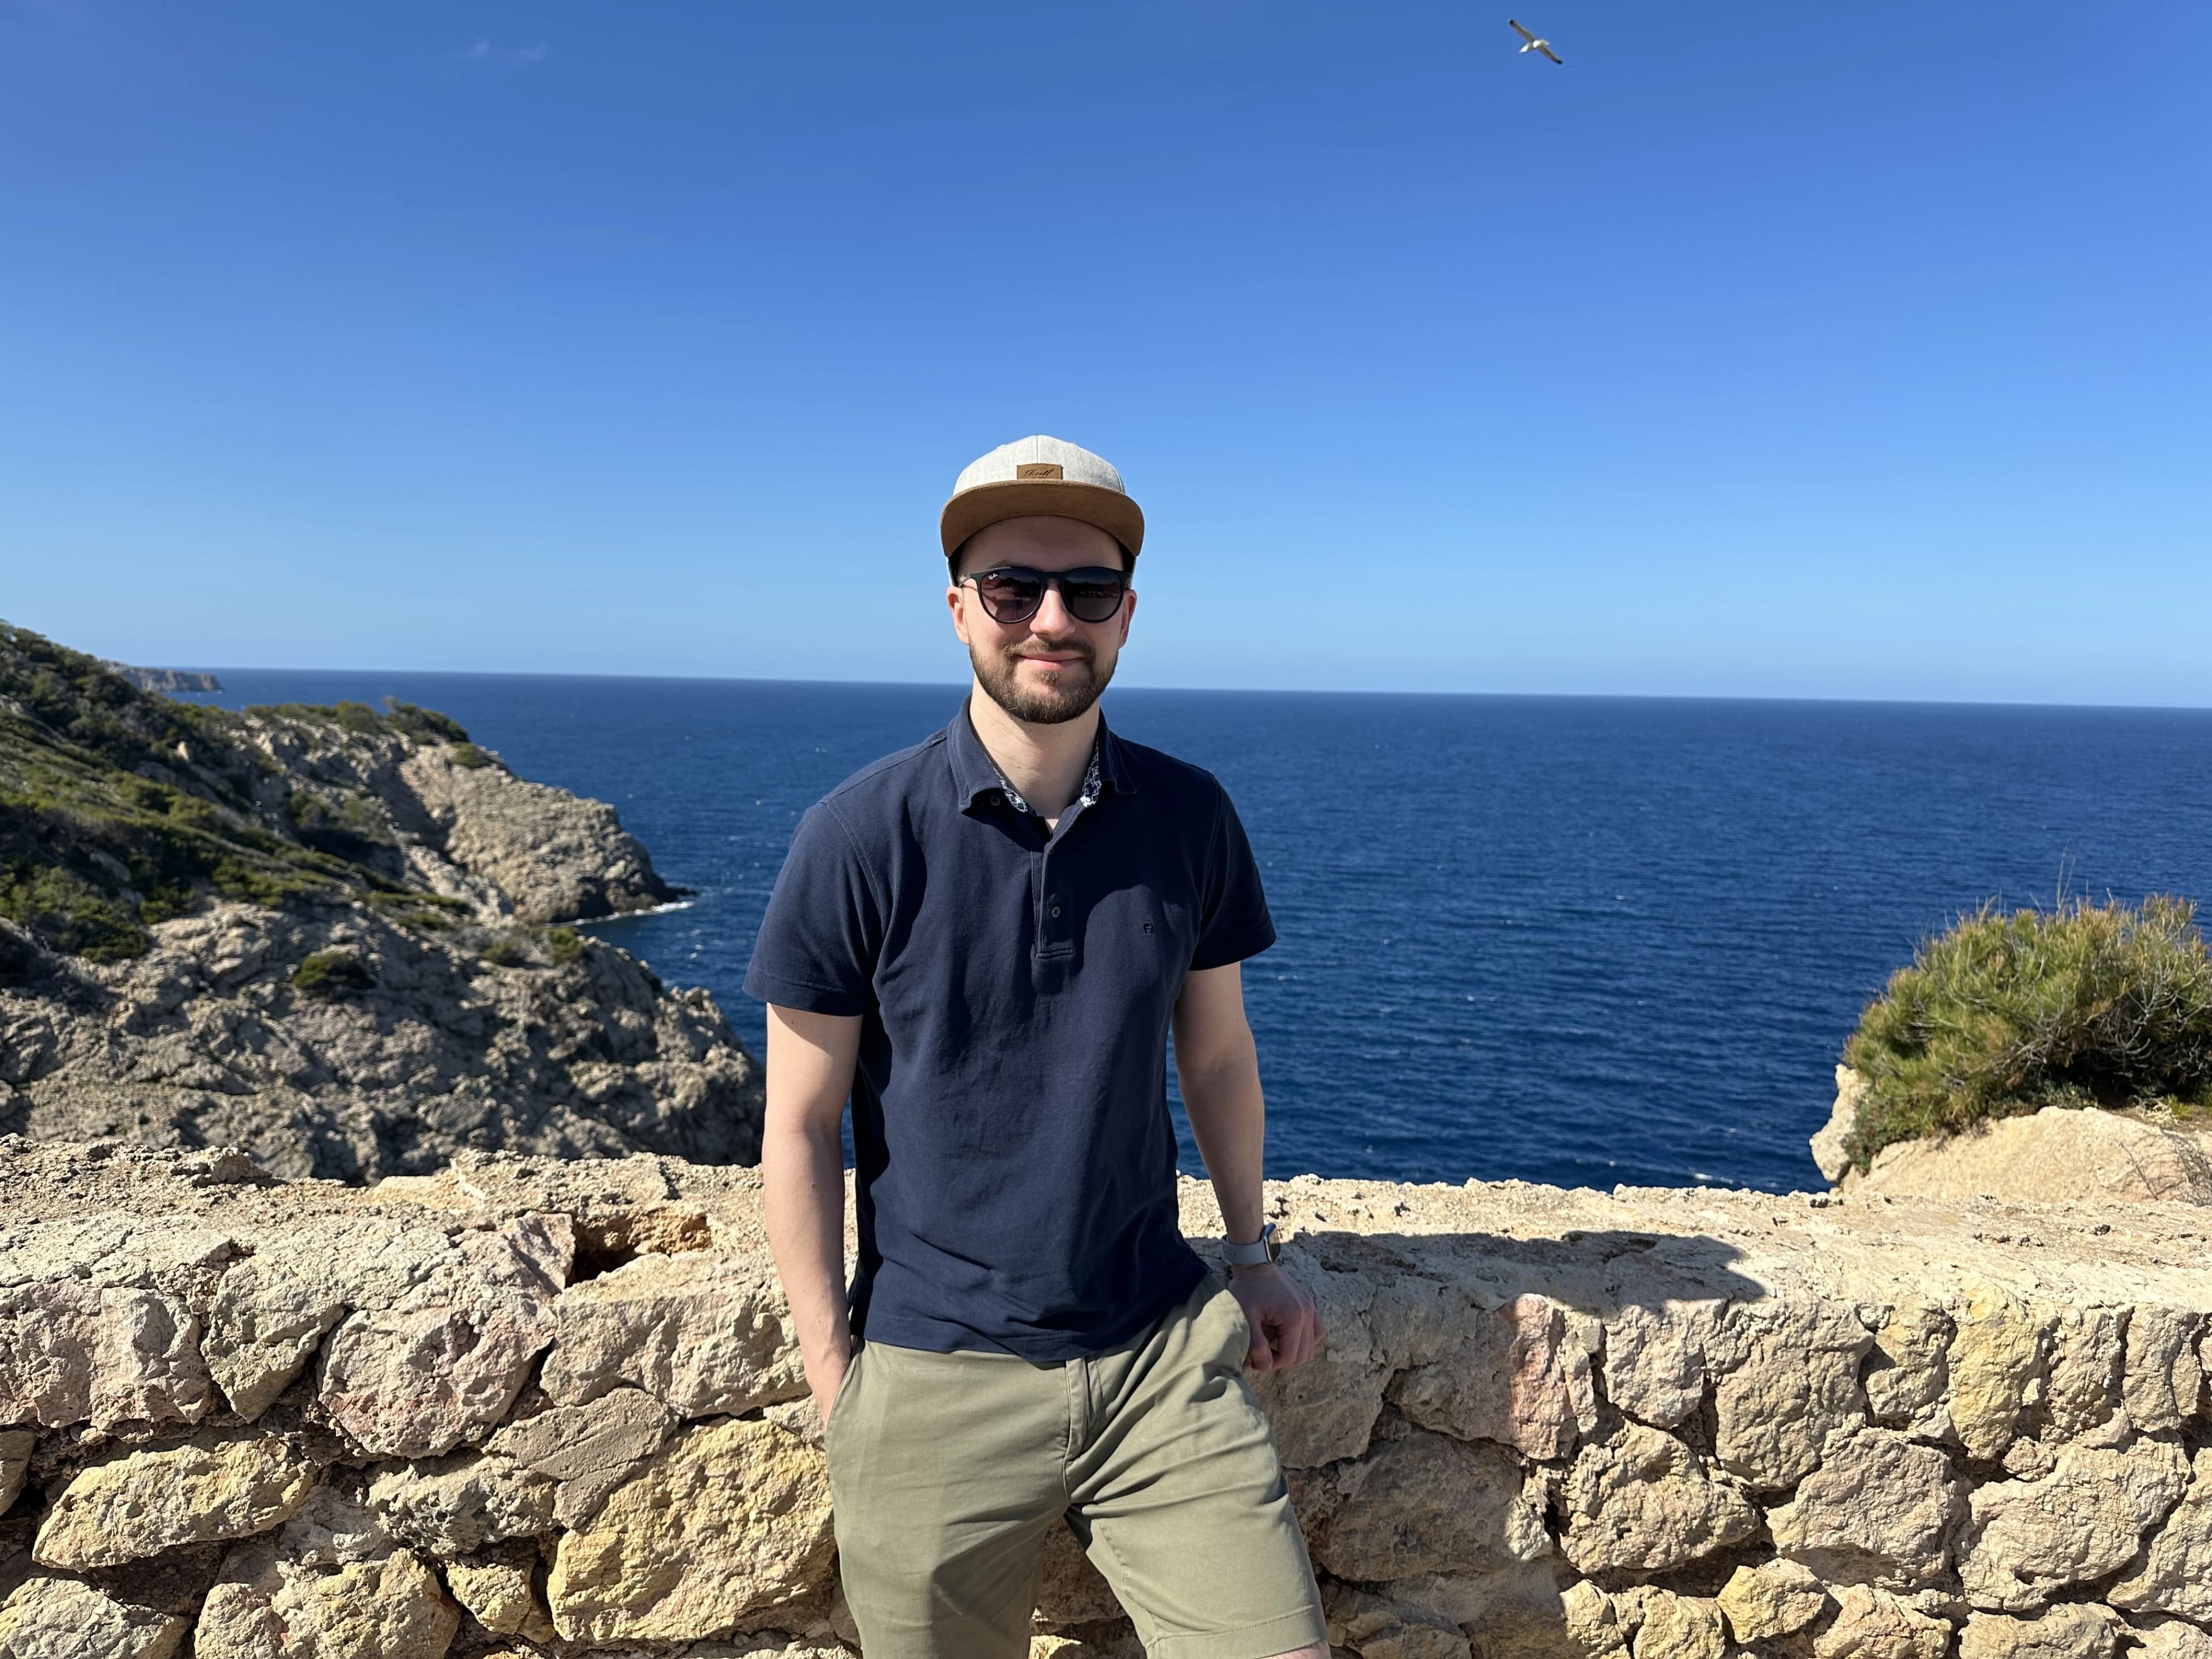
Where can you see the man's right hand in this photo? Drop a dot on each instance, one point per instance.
(825, 1378)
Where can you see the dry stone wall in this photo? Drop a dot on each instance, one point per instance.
(530, 1407)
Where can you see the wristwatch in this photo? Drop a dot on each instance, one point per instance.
(1258, 1253)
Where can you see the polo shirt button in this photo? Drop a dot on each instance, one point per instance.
(1055, 912)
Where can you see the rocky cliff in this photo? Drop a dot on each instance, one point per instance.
(529, 1407)
(328, 936)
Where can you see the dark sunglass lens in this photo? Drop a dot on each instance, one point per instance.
(1011, 595)
(1092, 595)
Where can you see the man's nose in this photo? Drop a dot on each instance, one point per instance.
(1052, 616)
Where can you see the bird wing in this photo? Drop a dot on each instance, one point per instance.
(1545, 46)
(1522, 32)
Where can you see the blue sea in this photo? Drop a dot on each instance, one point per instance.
(1582, 941)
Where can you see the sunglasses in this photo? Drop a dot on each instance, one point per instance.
(1013, 592)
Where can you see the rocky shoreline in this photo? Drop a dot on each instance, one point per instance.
(329, 937)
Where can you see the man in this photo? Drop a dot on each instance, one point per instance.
(984, 942)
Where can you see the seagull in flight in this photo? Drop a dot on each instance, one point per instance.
(1534, 44)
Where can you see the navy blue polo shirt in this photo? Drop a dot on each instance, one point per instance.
(1016, 1165)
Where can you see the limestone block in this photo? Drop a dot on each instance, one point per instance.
(2067, 1632)
(1427, 1503)
(1881, 1508)
(1655, 1359)
(263, 1326)
(1325, 1411)
(416, 1380)
(2172, 1638)
(1375, 1627)
(2162, 1383)
(1671, 1627)
(459, 1506)
(1518, 1611)
(707, 1333)
(1515, 1374)
(1872, 1624)
(1790, 1378)
(49, 1332)
(499, 1597)
(1997, 1368)
(1909, 1369)
(66, 1619)
(724, 1521)
(332, 1528)
(15, 1446)
(1647, 1503)
(1828, 1144)
(1593, 1625)
(2175, 1573)
(2026, 1541)
(591, 1450)
(2084, 1384)
(266, 1606)
(1776, 1598)
(141, 1502)
(145, 1362)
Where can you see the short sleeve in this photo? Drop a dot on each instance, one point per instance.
(1236, 923)
(821, 935)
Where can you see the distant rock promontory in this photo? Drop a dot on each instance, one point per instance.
(329, 936)
(169, 682)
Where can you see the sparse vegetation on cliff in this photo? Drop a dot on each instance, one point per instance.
(2088, 1005)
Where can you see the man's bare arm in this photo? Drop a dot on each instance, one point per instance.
(1218, 1065)
(810, 1075)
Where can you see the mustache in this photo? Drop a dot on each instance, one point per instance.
(1080, 647)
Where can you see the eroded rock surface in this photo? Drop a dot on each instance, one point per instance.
(516, 1406)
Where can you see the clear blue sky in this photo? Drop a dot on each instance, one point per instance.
(1840, 348)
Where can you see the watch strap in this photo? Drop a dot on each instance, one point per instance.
(1260, 1251)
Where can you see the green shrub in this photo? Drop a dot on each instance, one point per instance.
(2085, 1005)
(332, 974)
(563, 945)
(423, 724)
(505, 952)
(468, 755)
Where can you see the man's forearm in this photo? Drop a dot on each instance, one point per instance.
(1228, 1118)
(803, 1173)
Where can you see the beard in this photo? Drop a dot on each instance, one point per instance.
(1064, 695)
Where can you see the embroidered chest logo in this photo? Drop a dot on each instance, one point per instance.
(1148, 926)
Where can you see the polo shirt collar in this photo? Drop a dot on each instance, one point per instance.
(975, 774)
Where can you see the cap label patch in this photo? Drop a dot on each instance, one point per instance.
(1027, 469)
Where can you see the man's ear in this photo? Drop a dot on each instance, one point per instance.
(955, 600)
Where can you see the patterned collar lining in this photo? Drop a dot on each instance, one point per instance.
(1094, 782)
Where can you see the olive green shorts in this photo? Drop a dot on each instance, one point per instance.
(948, 1470)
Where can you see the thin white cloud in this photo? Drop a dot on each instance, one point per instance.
(489, 52)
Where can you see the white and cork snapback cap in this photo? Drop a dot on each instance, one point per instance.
(1040, 477)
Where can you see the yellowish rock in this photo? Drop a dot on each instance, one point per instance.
(1776, 1598)
(1671, 1627)
(144, 1502)
(1872, 1624)
(726, 1520)
(1993, 1358)
(15, 1460)
(498, 1596)
(67, 1619)
(268, 1608)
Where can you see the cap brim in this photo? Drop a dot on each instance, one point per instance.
(1111, 511)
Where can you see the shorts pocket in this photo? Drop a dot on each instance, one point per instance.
(846, 1385)
(1237, 1346)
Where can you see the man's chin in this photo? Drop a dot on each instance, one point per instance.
(1042, 700)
